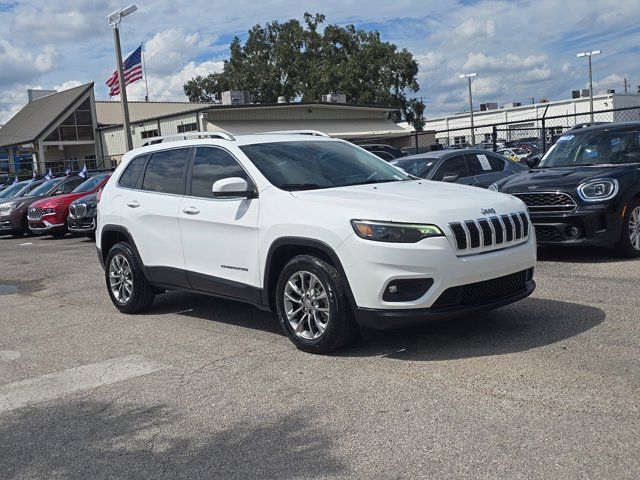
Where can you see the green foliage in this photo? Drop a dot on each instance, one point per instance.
(304, 61)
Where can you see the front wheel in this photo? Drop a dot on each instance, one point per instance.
(313, 307)
(629, 243)
(128, 288)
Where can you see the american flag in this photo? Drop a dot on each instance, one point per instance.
(132, 72)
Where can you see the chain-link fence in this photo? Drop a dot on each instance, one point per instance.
(538, 133)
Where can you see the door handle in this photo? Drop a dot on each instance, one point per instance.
(133, 204)
(191, 211)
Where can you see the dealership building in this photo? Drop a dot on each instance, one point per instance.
(67, 129)
(526, 120)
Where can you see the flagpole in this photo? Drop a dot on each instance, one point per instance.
(114, 19)
(144, 68)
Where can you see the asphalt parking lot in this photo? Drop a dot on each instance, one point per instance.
(204, 388)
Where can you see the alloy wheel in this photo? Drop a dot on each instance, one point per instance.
(306, 305)
(634, 228)
(120, 279)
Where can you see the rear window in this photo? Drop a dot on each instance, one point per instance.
(129, 178)
(46, 187)
(90, 184)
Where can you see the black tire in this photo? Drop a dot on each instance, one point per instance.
(624, 246)
(341, 328)
(142, 294)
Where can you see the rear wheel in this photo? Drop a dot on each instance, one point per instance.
(629, 243)
(312, 306)
(128, 288)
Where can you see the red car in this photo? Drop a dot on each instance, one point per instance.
(49, 215)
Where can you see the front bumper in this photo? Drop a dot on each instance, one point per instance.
(81, 225)
(595, 226)
(391, 319)
(370, 267)
(43, 225)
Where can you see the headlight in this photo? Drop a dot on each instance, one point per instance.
(8, 207)
(598, 190)
(494, 187)
(394, 232)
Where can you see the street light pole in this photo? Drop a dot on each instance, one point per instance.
(469, 76)
(114, 20)
(589, 55)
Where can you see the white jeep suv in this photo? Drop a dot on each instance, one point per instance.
(322, 232)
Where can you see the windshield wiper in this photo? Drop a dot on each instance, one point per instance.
(300, 186)
(387, 180)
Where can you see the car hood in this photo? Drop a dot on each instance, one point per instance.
(22, 200)
(559, 178)
(59, 199)
(412, 201)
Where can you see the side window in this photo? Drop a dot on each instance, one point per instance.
(452, 166)
(71, 185)
(129, 178)
(474, 164)
(166, 171)
(211, 165)
(497, 164)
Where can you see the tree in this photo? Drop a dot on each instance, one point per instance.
(299, 61)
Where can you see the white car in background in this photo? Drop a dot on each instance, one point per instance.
(323, 233)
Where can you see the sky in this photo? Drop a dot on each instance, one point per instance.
(520, 49)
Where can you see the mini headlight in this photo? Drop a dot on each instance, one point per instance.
(598, 190)
(494, 187)
(394, 232)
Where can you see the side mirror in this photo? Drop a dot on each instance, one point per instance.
(450, 178)
(232, 187)
(532, 162)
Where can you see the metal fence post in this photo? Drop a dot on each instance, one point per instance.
(544, 135)
(494, 138)
(416, 138)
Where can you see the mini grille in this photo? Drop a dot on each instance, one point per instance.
(483, 292)
(547, 202)
(547, 233)
(490, 232)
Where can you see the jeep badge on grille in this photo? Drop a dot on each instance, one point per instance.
(488, 211)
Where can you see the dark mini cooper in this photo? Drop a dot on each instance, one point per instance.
(586, 189)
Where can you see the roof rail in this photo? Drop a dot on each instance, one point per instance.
(298, 132)
(188, 135)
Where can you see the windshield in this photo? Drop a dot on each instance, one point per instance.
(13, 190)
(419, 167)
(600, 147)
(45, 187)
(319, 164)
(89, 185)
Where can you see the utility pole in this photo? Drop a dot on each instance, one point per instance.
(469, 76)
(114, 20)
(625, 85)
(589, 55)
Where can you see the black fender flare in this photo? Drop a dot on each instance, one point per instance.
(303, 242)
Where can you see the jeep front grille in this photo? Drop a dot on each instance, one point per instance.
(489, 233)
(547, 202)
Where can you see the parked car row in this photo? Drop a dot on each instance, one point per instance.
(44, 206)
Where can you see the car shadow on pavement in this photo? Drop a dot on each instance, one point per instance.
(98, 439)
(529, 324)
(215, 309)
(579, 255)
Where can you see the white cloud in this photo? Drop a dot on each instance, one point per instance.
(473, 29)
(169, 87)
(511, 61)
(429, 61)
(613, 81)
(171, 48)
(18, 65)
(67, 85)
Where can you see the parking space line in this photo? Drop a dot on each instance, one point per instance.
(65, 382)
(28, 243)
